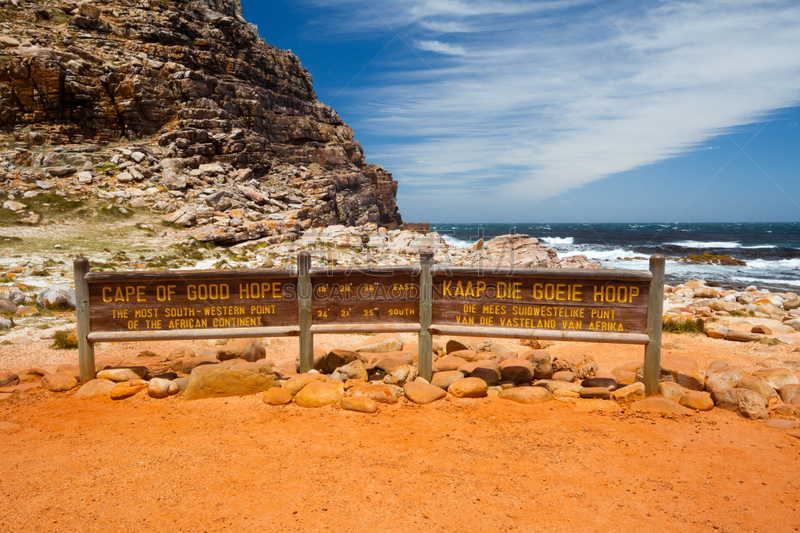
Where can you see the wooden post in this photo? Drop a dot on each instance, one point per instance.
(655, 310)
(425, 355)
(85, 348)
(304, 306)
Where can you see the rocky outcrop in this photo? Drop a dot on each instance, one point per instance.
(221, 118)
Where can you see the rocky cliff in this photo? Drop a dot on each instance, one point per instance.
(177, 105)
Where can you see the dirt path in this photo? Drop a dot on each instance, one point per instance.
(470, 465)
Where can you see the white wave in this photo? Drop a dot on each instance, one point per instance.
(762, 246)
(702, 244)
(602, 255)
(455, 243)
(558, 241)
(780, 264)
(756, 281)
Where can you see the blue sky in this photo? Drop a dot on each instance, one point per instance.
(563, 110)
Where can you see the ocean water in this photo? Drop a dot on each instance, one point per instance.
(771, 250)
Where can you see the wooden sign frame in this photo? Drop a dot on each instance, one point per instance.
(407, 299)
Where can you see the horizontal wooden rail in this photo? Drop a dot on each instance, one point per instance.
(548, 273)
(366, 328)
(543, 334)
(188, 275)
(194, 334)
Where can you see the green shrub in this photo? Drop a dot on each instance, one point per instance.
(684, 326)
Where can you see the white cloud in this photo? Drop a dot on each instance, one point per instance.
(441, 48)
(555, 95)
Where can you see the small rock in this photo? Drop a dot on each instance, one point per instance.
(448, 363)
(9, 427)
(777, 377)
(727, 377)
(387, 342)
(659, 405)
(697, 400)
(59, 382)
(671, 390)
(630, 393)
(516, 370)
(8, 379)
(161, 388)
(401, 376)
(319, 394)
(127, 389)
(790, 391)
(120, 375)
(764, 330)
(296, 383)
(597, 393)
(468, 388)
(423, 393)
(94, 388)
(444, 379)
(526, 395)
(353, 370)
(360, 404)
(778, 423)
(564, 375)
(741, 336)
(277, 396)
(381, 393)
(609, 383)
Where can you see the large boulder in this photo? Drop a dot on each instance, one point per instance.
(217, 381)
(727, 377)
(57, 297)
(684, 370)
(747, 403)
(789, 392)
(756, 384)
(777, 377)
(386, 342)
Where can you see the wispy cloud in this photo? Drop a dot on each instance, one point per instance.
(526, 100)
(440, 47)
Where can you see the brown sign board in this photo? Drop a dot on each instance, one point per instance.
(187, 300)
(366, 296)
(549, 300)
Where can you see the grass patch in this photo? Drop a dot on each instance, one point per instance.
(62, 341)
(684, 326)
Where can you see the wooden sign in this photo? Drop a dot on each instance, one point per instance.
(579, 305)
(537, 300)
(373, 296)
(191, 300)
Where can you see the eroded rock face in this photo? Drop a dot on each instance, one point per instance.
(194, 79)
